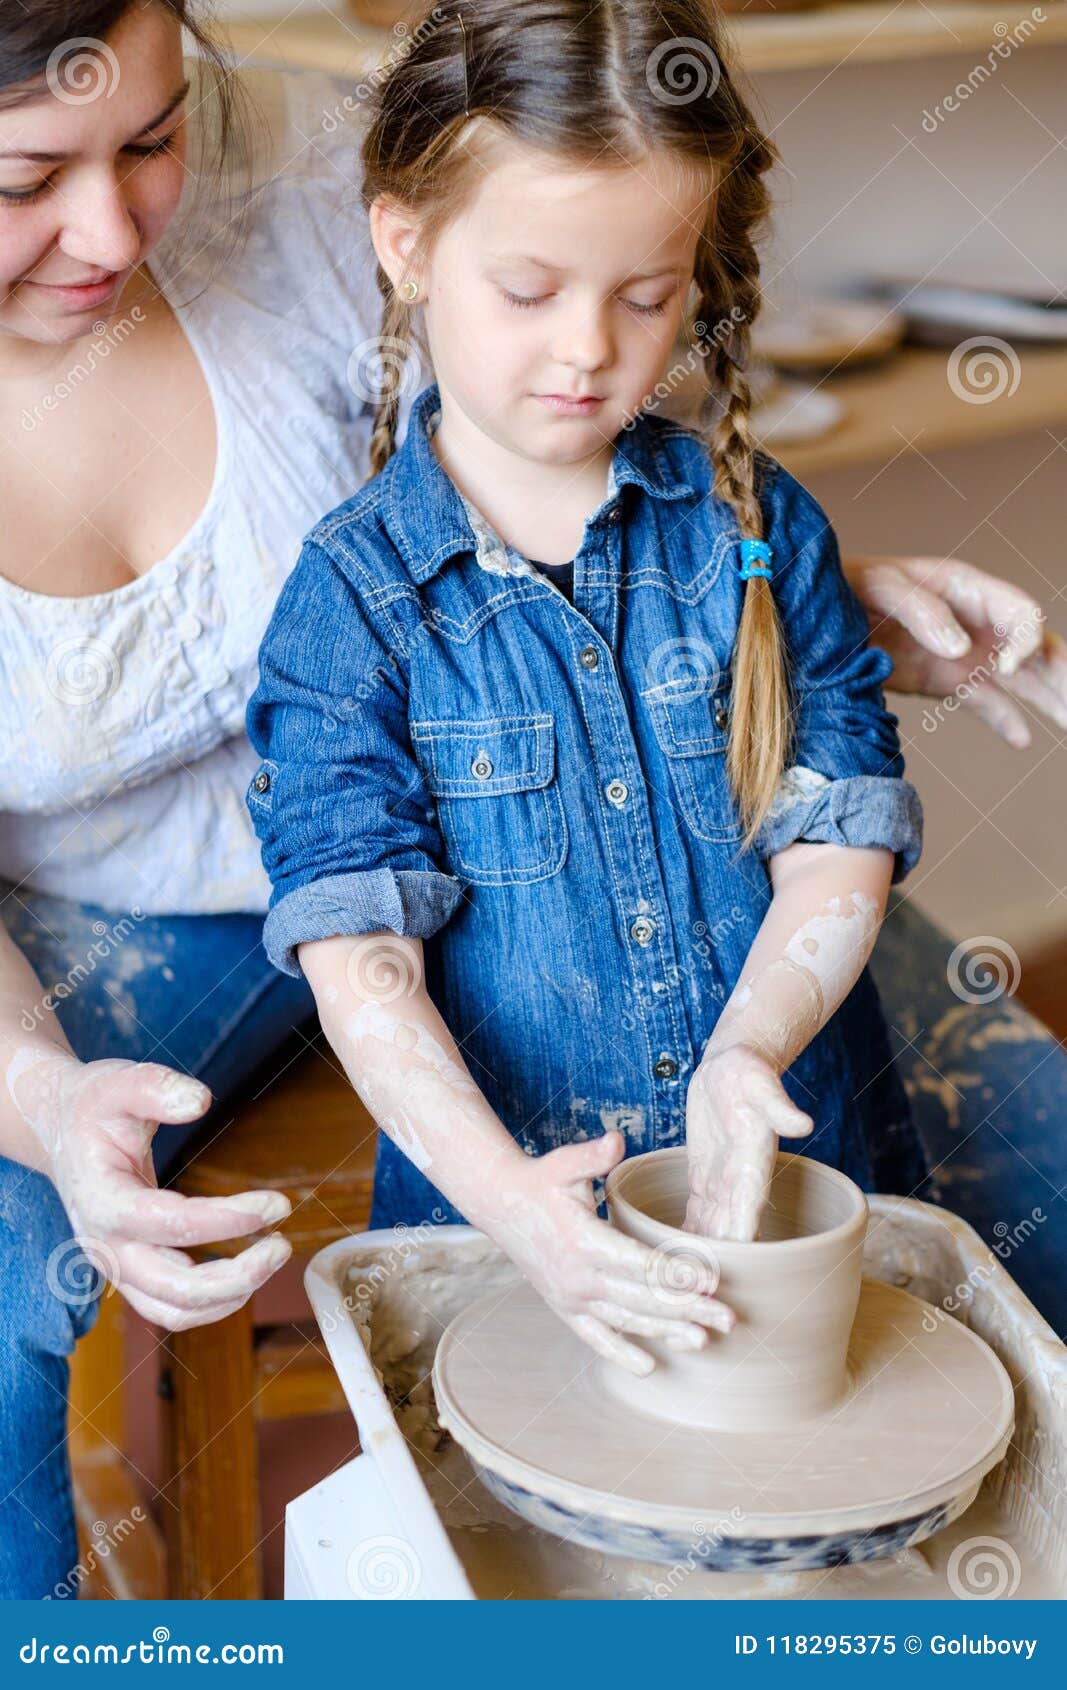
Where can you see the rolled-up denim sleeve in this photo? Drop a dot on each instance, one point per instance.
(346, 826)
(844, 784)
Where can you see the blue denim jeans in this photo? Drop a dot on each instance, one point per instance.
(195, 992)
(987, 1086)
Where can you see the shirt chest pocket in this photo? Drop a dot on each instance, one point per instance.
(498, 798)
(691, 723)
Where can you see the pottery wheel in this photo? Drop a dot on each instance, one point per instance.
(928, 1412)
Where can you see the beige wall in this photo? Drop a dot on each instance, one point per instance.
(856, 197)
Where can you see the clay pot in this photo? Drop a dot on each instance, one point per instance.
(794, 1290)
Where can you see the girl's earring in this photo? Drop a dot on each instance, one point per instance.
(410, 290)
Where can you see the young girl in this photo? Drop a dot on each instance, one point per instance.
(578, 694)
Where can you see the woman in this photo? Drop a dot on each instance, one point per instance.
(187, 310)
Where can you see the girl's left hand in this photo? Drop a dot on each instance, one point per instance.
(736, 1108)
(952, 629)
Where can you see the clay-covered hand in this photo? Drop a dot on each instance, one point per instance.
(96, 1121)
(599, 1281)
(736, 1109)
(954, 631)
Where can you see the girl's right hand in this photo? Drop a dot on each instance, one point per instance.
(598, 1280)
(96, 1121)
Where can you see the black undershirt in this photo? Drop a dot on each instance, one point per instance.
(560, 574)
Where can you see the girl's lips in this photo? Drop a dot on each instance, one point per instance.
(87, 296)
(568, 407)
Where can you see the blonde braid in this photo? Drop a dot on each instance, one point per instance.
(761, 713)
(395, 339)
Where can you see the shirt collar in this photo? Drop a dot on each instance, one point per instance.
(432, 521)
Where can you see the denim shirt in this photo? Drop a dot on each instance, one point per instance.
(451, 750)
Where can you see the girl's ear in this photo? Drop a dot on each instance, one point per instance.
(394, 232)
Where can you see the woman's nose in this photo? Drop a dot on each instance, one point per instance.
(99, 227)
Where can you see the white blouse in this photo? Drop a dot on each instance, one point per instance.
(125, 760)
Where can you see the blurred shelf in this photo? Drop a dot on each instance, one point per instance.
(872, 33)
(906, 404)
(822, 36)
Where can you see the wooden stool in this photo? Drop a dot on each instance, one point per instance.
(308, 1135)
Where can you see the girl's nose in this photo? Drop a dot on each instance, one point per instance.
(98, 226)
(584, 343)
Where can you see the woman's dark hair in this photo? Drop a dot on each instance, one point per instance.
(32, 31)
(601, 84)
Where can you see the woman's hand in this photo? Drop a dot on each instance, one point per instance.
(953, 630)
(736, 1108)
(598, 1280)
(97, 1121)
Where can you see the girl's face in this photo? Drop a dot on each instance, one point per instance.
(91, 172)
(561, 283)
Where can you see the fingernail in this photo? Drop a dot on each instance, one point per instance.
(688, 1341)
(272, 1207)
(185, 1097)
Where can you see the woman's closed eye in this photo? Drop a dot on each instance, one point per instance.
(151, 149)
(525, 301)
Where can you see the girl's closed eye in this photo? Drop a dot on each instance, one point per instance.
(524, 301)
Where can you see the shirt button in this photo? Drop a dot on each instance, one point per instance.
(642, 930)
(190, 627)
(722, 715)
(665, 1068)
(617, 793)
(261, 782)
(481, 768)
(613, 514)
(590, 657)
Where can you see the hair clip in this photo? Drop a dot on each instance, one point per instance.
(466, 86)
(755, 559)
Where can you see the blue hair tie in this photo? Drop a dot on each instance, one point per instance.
(755, 559)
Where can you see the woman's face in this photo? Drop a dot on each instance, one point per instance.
(91, 171)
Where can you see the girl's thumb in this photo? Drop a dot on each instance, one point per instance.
(593, 1157)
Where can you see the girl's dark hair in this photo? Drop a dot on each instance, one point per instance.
(602, 83)
(31, 31)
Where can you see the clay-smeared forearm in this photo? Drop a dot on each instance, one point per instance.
(811, 947)
(404, 1064)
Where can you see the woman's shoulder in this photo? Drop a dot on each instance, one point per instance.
(278, 207)
(290, 123)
